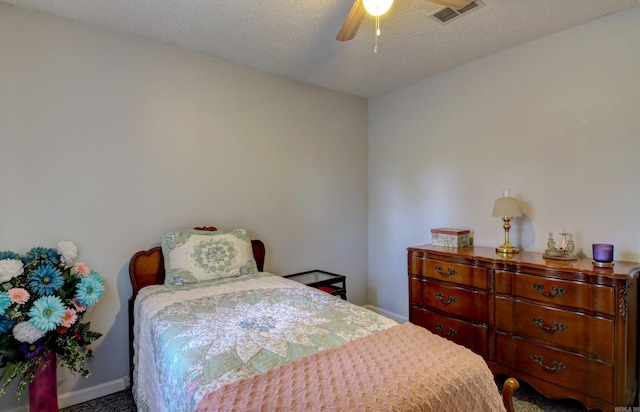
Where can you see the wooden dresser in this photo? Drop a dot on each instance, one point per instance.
(568, 328)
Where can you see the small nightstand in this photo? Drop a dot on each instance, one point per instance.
(328, 282)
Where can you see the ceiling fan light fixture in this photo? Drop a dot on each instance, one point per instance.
(377, 7)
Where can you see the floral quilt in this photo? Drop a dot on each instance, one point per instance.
(193, 339)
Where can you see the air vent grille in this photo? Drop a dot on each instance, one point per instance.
(446, 14)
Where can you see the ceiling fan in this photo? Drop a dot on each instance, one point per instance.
(356, 15)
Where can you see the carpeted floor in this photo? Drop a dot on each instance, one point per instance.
(525, 400)
(116, 402)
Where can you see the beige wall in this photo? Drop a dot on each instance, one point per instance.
(555, 120)
(111, 140)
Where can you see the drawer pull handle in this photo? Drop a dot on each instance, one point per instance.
(450, 272)
(452, 331)
(557, 326)
(555, 290)
(452, 299)
(557, 366)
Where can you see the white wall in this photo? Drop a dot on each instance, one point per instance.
(111, 140)
(556, 121)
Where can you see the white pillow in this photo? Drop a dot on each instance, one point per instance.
(193, 256)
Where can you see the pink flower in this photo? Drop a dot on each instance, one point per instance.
(82, 268)
(79, 307)
(19, 296)
(69, 318)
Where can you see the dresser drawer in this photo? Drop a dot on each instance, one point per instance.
(569, 328)
(472, 336)
(556, 327)
(556, 366)
(450, 272)
(583, 296)
(455, 300)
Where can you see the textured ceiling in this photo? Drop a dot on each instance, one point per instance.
(296, 38)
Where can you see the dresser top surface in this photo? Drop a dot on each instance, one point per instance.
(532, 259)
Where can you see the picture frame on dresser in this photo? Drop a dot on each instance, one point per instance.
(570, 329)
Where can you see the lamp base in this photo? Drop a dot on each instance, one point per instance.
(507, 249)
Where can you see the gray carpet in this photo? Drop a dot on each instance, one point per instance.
(525, 400)
(116, 402)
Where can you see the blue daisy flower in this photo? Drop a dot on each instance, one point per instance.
(90, 289)
(47, 313)
(40, 255)
(5, 324)
(7, 254)
(46, 280)
(5, 302)
(31, 350)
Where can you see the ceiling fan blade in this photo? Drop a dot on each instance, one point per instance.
(454, 4)
(352, 22)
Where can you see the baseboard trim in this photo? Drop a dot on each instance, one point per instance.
(73, 398)
(394, 316)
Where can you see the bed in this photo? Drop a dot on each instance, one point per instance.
(210, 330)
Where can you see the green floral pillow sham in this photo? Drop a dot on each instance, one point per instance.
(192, 256)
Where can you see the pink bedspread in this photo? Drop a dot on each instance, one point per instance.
(403, 368)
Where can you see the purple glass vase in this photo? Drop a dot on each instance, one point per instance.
(602, 253)
(43, 391)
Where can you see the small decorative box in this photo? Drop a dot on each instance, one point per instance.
(450, 237)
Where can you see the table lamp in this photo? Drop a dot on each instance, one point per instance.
(507, 207)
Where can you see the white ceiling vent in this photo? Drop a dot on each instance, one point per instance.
(447, 14)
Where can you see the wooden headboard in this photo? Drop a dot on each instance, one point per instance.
(146, 267)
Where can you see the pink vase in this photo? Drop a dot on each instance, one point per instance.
(43, 391)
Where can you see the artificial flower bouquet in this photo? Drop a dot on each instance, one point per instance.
(43, 298)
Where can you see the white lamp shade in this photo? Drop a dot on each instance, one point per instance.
(506, 206)
(377, 7)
